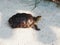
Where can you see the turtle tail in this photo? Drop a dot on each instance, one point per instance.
(37, 18)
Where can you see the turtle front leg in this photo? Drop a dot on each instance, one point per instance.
(36, 27)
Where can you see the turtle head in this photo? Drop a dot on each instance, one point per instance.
(37, 18)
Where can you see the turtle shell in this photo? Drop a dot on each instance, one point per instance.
(22, 20)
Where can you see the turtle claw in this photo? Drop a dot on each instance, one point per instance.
(36, 28)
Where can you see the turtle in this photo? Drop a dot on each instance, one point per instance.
(24, 20)
(57, 1)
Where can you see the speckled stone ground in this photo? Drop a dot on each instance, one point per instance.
(49, 24)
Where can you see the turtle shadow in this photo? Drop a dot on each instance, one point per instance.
(46, 36)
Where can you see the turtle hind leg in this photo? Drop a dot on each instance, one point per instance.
(36, 27)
